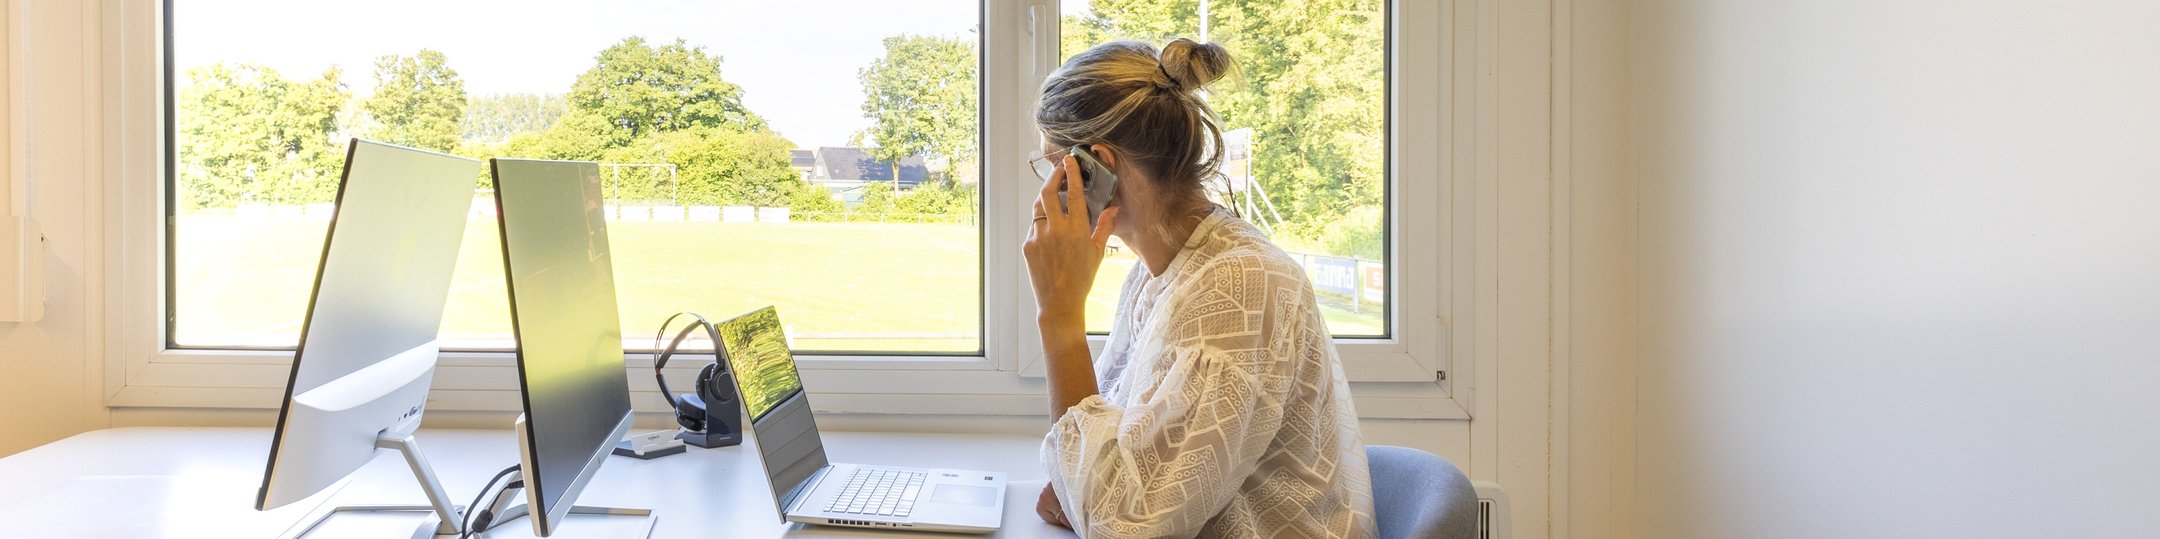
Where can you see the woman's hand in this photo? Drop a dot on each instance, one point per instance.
(1050, 510)
(1062, 256)
(1062, 253)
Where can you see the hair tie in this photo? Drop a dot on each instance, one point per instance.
(1166, 75)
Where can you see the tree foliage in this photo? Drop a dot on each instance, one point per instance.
(641, 104)
(808, 198)
(418, 101)
(579, 136)
(637, 89)
(921, 100)
(713, 167)
(493, 119)
(247, 134)
(938, 198)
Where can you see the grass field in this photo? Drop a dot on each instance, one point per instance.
(838, 286)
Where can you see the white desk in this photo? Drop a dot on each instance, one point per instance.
(200, 482)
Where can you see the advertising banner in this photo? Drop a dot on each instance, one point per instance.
(1373, 278)
(1333, 275)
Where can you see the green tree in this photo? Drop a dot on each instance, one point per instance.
(813, 199)
(418, 101)
(938, 198)
(875, 201)
(579, 136)
(1152, 21)
(246, 134)
(920, 99)
(714, 167)
(637, 89)
(642, 104)
(666, 104)
(493, 119)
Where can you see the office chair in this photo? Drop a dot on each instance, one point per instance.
(1420, 495)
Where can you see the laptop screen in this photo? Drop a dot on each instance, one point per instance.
(758, 353)
(780, 419)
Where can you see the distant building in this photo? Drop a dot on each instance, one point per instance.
(848, 171)
(803, 161)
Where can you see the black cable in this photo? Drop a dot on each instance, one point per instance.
(473, 512)
(487, 518)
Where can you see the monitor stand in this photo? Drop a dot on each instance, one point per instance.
(446, 520)
(505, 512)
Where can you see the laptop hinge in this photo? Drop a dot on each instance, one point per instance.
(795, 496)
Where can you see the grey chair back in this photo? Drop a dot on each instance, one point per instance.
(1418, 495)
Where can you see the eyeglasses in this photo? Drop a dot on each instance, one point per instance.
(1047, 165)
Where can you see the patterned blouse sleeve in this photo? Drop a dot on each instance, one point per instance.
(1177, 457)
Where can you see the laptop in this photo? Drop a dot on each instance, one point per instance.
(809, 490)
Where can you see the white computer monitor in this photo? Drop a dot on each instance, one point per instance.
(568, 331)
(368, 347)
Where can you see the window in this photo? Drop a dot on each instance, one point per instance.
(1306, 134)
(939, 326)
(754, 154)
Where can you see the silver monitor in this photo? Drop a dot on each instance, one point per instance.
(368, 345)
(569, 334)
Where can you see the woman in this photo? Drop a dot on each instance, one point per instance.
(1218, 407)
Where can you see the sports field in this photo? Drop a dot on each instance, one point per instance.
(884, 287)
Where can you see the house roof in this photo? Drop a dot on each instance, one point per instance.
(855, 164)
(802, 158)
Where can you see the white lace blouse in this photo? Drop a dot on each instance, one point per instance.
(1224, 411)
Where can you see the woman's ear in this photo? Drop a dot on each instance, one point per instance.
(1104, 153)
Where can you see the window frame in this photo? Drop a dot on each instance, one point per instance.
(1411, 349)
(1406, 375)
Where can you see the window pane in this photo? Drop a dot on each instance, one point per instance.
(1306, 123)
(821, 158)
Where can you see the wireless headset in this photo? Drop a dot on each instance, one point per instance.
(710, 417)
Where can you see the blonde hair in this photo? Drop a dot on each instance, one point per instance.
(1142, 103)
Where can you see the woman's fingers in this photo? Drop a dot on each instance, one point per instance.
(1065, 193)
(1076, 202)
(1049, 509)
(1104, 224)
(1049, 196)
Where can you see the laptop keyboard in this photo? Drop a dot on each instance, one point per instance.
(871, 491)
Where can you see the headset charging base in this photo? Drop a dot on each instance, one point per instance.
(709, 439)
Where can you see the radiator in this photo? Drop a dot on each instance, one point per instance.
(1492, 511)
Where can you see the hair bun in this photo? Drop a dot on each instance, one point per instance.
(1192, 65)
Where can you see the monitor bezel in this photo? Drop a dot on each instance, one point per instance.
(545, 512)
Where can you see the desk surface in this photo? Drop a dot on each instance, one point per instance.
(200, 482)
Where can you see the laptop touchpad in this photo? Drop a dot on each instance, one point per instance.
(964, 495)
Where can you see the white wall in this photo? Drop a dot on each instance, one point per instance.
(49, 370)
(1900, 268)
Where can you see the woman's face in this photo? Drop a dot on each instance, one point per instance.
(1135, 195)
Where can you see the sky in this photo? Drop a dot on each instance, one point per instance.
(796, 60)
